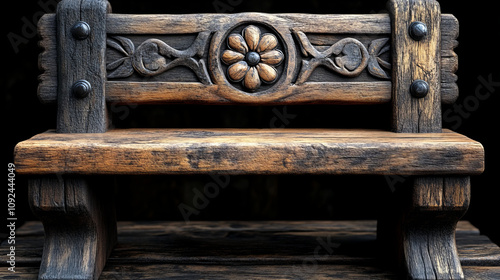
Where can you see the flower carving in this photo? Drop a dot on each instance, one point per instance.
(252, 58)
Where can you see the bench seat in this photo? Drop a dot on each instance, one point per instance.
(250, 151)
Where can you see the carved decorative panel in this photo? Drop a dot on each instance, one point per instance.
(181, 58)
(347, 57)
(154, 57)
(250, 58)
(252, 55)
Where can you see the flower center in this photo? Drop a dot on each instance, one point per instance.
(252, 58)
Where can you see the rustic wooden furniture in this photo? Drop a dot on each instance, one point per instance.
(93, 58)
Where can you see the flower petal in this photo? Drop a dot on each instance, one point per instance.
(237, 43)
(229, 57)
(267, 73)
(252, 80)
(267, 42)
(273, 57)
(237, 71)
(252, 36)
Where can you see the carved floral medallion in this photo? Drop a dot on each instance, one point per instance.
(252, 58)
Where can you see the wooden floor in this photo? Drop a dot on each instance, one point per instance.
(249, 250)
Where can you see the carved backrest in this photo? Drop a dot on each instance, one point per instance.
(251, 58)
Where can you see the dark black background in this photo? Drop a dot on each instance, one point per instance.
(265, 197)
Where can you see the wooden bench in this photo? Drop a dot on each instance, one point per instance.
(93, 58)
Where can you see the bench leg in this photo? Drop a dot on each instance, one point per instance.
(424, 229)
(79, 223)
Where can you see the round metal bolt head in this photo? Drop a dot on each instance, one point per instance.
(419, 89)
(81, 30)
(252, 58)
(81, 89)
(418, 30)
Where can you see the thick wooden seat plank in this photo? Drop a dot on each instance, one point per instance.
(250, 151)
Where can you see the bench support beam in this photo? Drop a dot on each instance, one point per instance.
(428, 227)
(425, 231)
(417, 229)
(77, 212)
(79, 223)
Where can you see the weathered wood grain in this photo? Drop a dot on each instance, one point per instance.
(416, 60)
(449, 59)
(241, 151)
(79, 223)
(310, 93)
(155, 24)
(428, 234)
(341, 59)
(372, 25)
(47, 59)
(256, 250)
(79, 219)
(424, 230)
(81, 60)
(420, 225)
(261, 272)
(441, 194)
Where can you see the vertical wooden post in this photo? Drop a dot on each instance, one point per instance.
(428, 227)
(426, 230)
(79, 223)
(416, 60)
(78, 216)
(81, 48)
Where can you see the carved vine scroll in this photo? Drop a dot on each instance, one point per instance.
(251, 57)
(348, 57)
(376, 65)
(154, 57)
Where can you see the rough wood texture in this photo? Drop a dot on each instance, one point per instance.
(252, 250)
(326, 86)
(429, 227)
(416, 60)
(249, 58)
(250, 151)
(418, 227)
(79, 220)
(310, 93)
(47, 59)
(81, 60)
(80, 226)
(425, 231)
